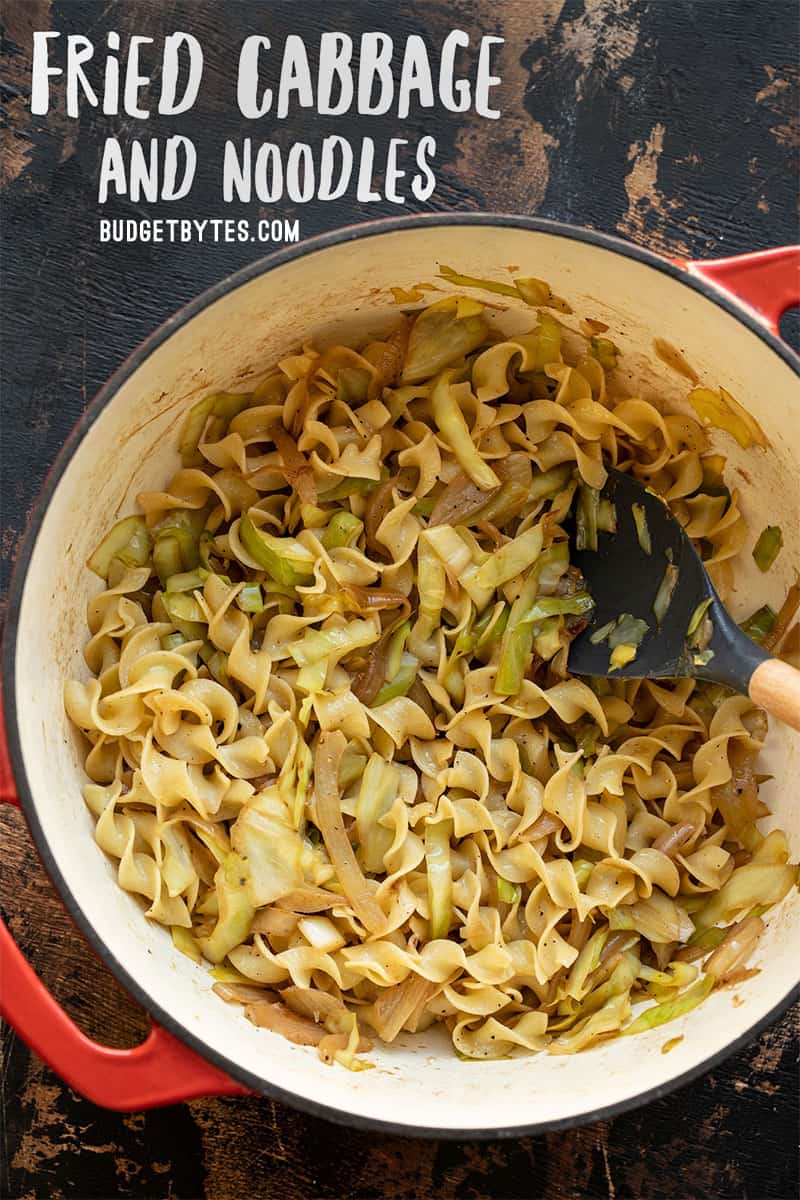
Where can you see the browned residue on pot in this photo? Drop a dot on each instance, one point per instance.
(674, 358)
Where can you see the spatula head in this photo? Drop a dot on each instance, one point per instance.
(623, 578)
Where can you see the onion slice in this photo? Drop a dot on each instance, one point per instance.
(295, 466)
(459, 501)
(279, 1019)
(243, 993)
(313, 1004)
(368, 681)
(670, 842)
(396, 1005)
(375, 599)
(784, 618)
(735, 948)
(378, 506)
(330, 749)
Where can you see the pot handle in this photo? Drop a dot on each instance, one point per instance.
(766, 281)
(162, 1070)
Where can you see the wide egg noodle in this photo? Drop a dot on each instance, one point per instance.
(526, 862)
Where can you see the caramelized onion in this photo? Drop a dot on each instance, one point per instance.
(737, 799)
(462, 500)
(295, 466)
(368, 681)
(388, 362)
(274, 921)
(459, 501)
(243, 993)
(578, 931)
(377, 507)
(334, 1042)
(396, 1005)
(740, 976)
(259, 782)
(280, 1019)
(420, 695)
(546, 824)
(670, 842)
(491, 531)
(735, 948)
(376, 599)
(617, 943)
(791, 645)
(664, 953)
(516, 476)
(312, 1003)
(786, 615)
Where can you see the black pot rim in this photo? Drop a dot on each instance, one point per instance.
(95, 408)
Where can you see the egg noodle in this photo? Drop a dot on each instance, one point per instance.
(333, 741)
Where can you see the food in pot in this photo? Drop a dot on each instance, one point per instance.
(333, 741)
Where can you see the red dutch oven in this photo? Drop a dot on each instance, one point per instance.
(723, 315)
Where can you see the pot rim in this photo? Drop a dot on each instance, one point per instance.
(82, 427)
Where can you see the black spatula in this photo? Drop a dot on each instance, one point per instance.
(623, 578)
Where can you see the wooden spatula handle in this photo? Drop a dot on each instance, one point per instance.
(775, 686)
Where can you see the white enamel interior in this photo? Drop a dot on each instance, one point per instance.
(342, 291)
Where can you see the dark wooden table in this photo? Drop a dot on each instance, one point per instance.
(671, 122)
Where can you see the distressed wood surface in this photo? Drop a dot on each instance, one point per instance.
(671, 122)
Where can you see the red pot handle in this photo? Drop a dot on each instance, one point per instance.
(767, 281)
(162, 1070)
(8, 790)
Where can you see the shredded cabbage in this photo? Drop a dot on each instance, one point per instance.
(664, 594)
(235, 909)
(720, 409)
(128, 541)
(440, 883)
(642, 530)
(439, 337)
(669, 1010)
(284, 559)
(768, 547)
